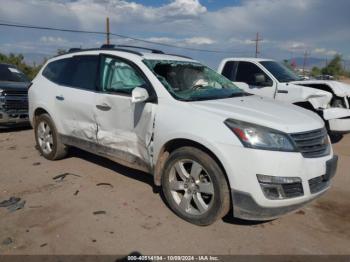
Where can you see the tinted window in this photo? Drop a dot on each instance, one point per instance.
(229, 70)
(54, 70)
(118, 76)
(11, 74)
(246, 72)
(79, 71)
(280, 71)
(85, 72)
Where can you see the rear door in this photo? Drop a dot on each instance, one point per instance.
(124, 129)
(75, 98)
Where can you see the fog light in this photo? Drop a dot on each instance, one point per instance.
(278, 179)
(276, 187)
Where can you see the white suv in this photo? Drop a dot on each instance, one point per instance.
(208, 144)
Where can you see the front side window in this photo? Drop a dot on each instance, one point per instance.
(190, 81)
(251, 74)
(280, 72)
(117, 76)
(10, 73)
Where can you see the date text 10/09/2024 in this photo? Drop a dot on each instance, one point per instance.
(173, 258)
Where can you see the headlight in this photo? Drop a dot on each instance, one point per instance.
(259, 137)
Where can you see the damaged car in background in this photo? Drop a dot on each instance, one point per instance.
(13, 96)
(194, 130)
(265, 77)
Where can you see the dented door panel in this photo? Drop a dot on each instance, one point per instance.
(125, 130)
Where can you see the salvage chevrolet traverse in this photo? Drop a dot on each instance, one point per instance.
(211, 146)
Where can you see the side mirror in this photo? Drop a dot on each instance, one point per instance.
(259, 79)
(139, 95)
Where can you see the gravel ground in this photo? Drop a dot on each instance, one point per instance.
(58, 217)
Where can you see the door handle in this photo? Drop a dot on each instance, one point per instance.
(282, 91)
(103, 107)
(59, 98)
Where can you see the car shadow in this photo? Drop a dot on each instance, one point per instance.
(14, 128)
(230, 219)
(114, 166)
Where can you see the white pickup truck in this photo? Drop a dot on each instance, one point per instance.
(265, 77)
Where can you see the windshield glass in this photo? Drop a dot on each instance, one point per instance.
(280, 72)
(190, 81)
(11, 74)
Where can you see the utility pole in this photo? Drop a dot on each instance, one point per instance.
(107, 31)
(304, 63)
(257, 40)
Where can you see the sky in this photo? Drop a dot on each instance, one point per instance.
(288, 28)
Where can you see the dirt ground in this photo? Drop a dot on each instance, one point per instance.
(58, 216)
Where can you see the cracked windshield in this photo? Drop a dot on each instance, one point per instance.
(189, 81)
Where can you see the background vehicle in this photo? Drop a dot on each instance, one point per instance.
(330, 99)
(189, 126)
(13, 96)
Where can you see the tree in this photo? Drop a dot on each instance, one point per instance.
(18, 61)
(334, 67)
(315, 71)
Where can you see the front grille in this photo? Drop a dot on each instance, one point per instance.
(15, 93)
(293, 190)
(318, 183)
(312, 143)
(15, 100)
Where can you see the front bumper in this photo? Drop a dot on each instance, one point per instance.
(14, 117)
(338, 119)
(245, 207)
(339, 125)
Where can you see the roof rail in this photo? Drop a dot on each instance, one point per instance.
(155, 51)
(183, 56)
(74, 49)
(106, 46)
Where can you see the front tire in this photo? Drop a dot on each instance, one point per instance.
(195, 186)
(47, 139)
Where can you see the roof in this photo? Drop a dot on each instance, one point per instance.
(128, 51)
(249, 59)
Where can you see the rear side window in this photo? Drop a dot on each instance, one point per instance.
(85, 72)
(78, 71)
(53, 71)
(229, 70)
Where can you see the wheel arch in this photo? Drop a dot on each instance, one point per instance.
(177, 143)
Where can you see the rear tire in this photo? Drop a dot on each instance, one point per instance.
(195, 187)
(47, 139)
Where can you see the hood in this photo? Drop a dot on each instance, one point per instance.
(318, 98)
(263, 111)
(4, 85)
(338, 88)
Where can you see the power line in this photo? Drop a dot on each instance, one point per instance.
(26, 26)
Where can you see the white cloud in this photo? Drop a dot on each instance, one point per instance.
(199, 41)
(286, 26)
(324, 51)
(52, 40)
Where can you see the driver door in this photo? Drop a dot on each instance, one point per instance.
(258, 81)
(124, 129)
